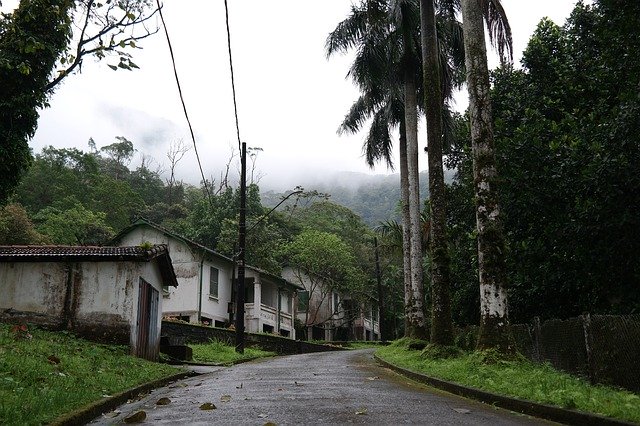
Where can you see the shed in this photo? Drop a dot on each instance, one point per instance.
(105, 294)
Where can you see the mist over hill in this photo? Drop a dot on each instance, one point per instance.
(375, 198)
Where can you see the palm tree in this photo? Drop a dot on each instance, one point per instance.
(494, 316)
(387, 69)
(441, 324)
(382, 71)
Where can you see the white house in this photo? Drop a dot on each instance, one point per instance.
(107, 294)
(205, 294)
(330, 315)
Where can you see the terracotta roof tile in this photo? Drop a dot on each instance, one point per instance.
(45, 253)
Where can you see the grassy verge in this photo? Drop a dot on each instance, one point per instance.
(519, 378)
(44, 374)
(220, 353)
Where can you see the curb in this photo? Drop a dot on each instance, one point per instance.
(218, 364)
(89, 412)
(543, 411)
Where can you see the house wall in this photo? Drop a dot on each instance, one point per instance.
(192, 269)
(97, 300)
(320, 309)
(323, 312)
(39, 291)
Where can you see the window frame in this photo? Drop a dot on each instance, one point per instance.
(212, 281)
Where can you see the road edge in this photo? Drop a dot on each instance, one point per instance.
(91, 411)
(543, 411)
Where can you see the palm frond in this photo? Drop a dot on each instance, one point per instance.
(358, 115)
(390, 229)
(499, 29)
(378, 143)
(348, 33)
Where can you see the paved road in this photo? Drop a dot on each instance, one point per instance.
(313, 389)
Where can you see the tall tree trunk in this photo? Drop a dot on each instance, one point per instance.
(415, 309)
(494, 318)
(406, 233)
(441, 324)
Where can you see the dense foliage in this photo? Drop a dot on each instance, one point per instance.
(40, 45)
(31, 39)
(567, 128)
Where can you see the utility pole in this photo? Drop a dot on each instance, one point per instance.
(241, 252)
(383, 334)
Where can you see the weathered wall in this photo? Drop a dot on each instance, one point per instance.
(188, 264)
(39, 290)
(192, 333)
(319, 302)
(96, 300)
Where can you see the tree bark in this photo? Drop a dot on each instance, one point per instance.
(415, 309)
(441, 323)
(406, 234)
(494, 318)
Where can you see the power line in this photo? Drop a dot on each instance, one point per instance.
(233, 85)
(184, 107)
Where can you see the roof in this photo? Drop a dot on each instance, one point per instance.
(145, 222)
(93, 254)
(142, 222)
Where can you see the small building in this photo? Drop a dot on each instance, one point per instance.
(206, 291)
(105, 294)
(327, 314)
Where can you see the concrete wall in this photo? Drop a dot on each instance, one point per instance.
(97, 300)
(192, 267)
(191, 333)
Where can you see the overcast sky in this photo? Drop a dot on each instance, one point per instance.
(290, 98)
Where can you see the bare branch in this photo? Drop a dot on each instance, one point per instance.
(106, 30)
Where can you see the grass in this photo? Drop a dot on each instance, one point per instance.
(44, 374)
(519, 378)
(363, 344)
(220, 353)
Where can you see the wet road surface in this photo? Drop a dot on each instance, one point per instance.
(313, 389)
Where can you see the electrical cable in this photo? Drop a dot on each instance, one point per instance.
(184, 107)
(233, 85)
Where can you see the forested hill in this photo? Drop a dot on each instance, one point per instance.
(375, 198)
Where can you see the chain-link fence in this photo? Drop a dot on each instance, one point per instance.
(603, 348)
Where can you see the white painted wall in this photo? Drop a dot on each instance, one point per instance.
(38, 288)
(190, 264)
(103, 292)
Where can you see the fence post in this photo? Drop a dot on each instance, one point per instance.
(536, 340)
(588, 345)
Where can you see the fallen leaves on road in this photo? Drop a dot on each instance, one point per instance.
(362, 411)
(373, 378)
(239, 387)
(225, 398)
(163, 401)
(263, 416)
(298, 384)
(137, 417)
(462, 410)
(208, 406)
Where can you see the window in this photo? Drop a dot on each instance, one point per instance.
(213, 282)
(303, 300)
(336, 302)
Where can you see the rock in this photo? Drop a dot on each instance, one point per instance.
(163, 401)
(208, 406)
(137, 417)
